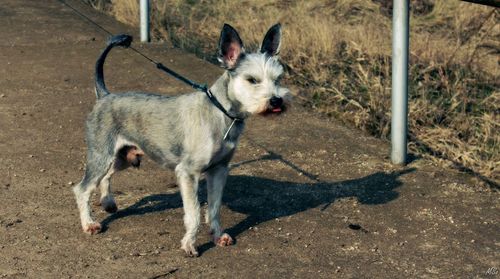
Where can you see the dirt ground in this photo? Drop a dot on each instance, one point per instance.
(306, 197)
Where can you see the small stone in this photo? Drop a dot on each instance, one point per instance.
(71, 183)
(12, 223)
(42, 170)
(354, 227)
(112, 258)
(2, 96)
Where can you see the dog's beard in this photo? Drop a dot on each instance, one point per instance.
(259, 106)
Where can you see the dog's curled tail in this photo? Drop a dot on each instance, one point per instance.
(123, 40)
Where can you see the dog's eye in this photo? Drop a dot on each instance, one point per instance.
(278, 80)
(252, 80)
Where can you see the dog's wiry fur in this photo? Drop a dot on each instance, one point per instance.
(185, 133)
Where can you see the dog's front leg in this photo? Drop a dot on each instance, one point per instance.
(188, 182)
(216, 179)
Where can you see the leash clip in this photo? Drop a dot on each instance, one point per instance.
(229, 129)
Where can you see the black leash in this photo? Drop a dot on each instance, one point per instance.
(162, 67)
(198, 87)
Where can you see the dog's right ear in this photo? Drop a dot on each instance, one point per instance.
(230, 47)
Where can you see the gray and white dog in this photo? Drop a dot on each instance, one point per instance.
(187, 133)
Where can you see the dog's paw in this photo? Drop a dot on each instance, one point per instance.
(110, 208)
(92, 228)
(108, 204)
(224, 240)
(190, 250)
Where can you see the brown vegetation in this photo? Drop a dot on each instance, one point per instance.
(338, 55)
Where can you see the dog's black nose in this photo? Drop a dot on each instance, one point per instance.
(276, 102)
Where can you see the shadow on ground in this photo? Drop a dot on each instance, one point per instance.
(262, 199)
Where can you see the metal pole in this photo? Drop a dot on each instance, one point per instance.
(144, 20)
(400, 42)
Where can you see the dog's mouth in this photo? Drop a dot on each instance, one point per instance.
(274, 110)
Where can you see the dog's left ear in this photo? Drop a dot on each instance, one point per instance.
(272, 41)
(230, 46)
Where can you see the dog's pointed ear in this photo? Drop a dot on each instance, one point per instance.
(272, 41)
(230, 47)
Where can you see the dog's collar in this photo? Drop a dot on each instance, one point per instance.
(218, 105)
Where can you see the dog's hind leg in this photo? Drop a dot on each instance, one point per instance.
(107, 202)
(125, 156)
(95, 171)
(216, 179)
(188, 182)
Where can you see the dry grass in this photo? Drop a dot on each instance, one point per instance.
(338, 52)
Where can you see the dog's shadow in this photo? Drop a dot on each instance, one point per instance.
(263, 199)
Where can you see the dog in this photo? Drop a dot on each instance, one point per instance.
(187, 133)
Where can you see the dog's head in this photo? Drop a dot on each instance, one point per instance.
(254, 77)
